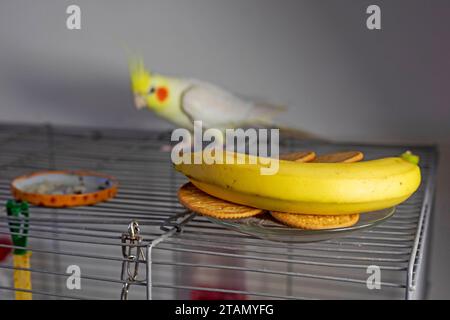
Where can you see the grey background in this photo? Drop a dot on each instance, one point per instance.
(339, 79)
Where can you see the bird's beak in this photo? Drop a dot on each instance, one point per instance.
(139, 102)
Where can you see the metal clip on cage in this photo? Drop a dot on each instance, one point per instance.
(132, 254)
(132, 241)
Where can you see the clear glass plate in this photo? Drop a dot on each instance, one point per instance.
(265, 227)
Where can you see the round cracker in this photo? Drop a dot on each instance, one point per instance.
(196, 200)
(316, 222)
(346, 156)
(301, 156)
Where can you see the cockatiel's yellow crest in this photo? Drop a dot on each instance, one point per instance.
(140, 78)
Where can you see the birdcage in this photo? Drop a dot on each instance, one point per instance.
(144, 245)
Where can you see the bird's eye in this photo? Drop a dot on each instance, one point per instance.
(152, 90)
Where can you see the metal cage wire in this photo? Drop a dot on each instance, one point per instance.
(173, 253)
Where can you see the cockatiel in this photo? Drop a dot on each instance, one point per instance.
(181, 101)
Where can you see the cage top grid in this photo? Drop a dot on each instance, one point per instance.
(147, 195)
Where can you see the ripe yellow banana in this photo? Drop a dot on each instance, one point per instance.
(308, 188)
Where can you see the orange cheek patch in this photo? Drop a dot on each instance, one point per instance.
(162, 93)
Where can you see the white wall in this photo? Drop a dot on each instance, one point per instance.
(339, 79)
